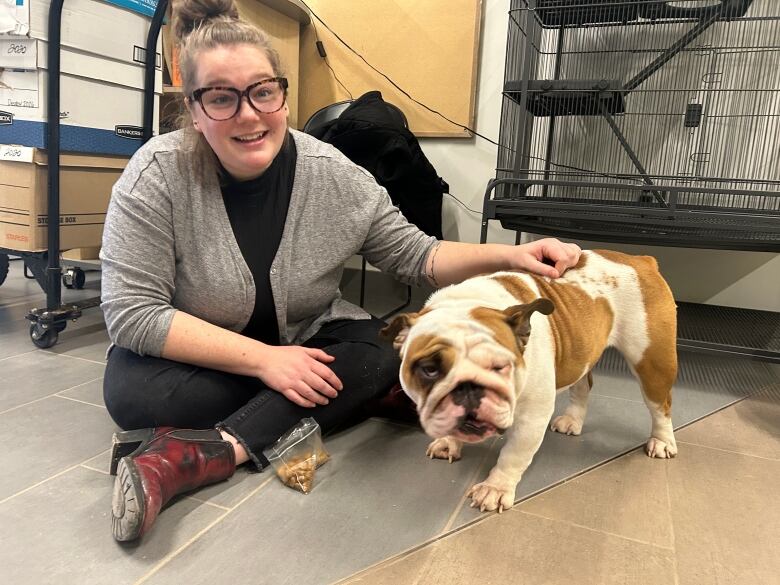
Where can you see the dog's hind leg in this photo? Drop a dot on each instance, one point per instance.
(657, 371)
(570, 422)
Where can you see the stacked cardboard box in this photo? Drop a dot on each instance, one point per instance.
(85, 189)
(102, 74)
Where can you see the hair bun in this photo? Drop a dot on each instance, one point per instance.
(190, 14)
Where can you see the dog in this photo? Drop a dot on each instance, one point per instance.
(487, 356)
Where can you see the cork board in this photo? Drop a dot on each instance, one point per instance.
(429, 48)
(284, 34)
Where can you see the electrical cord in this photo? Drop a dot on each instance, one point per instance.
(463, 205)
(320, 49)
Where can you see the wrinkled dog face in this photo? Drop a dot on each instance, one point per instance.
(462, 367)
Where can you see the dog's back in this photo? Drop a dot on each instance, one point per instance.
(608, 299)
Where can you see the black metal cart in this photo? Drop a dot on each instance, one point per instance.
(647, 122)
(46, 323)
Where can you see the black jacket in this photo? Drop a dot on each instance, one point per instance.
(373, 134)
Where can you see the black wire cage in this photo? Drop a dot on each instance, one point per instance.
(642, 122)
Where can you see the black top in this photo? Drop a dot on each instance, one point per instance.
(257, 210)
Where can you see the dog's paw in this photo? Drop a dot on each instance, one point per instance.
(488, 497)
(566, 424)
(660, 449)
(444, 448)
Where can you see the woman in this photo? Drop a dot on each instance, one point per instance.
(222, 254)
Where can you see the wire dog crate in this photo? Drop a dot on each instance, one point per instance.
(642, 122)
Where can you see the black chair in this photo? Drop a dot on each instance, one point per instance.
(315, 126)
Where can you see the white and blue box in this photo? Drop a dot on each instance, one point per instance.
(101, 79)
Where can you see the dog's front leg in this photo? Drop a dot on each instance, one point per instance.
(522, 441)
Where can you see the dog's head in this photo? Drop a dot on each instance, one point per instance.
(463, 366)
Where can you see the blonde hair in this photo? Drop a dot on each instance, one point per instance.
(207, 24)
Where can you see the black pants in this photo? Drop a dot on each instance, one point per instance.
(144, 391)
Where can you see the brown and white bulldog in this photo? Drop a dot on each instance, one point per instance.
(486, 356)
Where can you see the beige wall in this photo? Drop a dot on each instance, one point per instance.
(742, 279)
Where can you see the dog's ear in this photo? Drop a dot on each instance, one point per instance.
(519, 318)
(398, 329)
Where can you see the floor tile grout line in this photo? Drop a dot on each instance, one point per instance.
(202, 501)
(79, 385)
(40, 483)
(85, 466)
(161, 564)
(54, 395)
(56, 475)
(169, 557)
(42, 398)
(464, 497)
(596, 530)
(729, 451)
(80, 401)
(18, 354)
(387, 562)
(75, 357)
(593, 393)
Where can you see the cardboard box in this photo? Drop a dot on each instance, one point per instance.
(101, 101)
(89, 26)
(14, 17)
(91, 253)
(85, 190)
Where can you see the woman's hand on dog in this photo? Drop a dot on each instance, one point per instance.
(547, 257)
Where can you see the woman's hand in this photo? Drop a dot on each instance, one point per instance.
(300, 374)
(531, 257)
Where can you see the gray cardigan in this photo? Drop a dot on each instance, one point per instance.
(168, 245)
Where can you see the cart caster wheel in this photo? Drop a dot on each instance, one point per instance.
(43, 338)
(74, 278)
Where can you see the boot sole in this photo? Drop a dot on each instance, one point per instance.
(127, 506)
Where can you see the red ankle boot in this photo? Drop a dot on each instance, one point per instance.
(154, 465)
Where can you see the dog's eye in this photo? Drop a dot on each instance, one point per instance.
(428, 370)
(502, 369)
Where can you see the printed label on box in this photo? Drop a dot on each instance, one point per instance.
(16, 153)
(145, 7)
(6, 118)
(132, 132)
(14, 17)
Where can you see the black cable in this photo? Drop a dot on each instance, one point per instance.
(467, 128)
(463, 205)
(323, 54)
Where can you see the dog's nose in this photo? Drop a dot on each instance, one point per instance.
(468, 395)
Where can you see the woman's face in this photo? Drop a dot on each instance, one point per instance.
(246, 144)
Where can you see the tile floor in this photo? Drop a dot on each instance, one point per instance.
(592, 509)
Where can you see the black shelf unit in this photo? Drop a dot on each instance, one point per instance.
(644, 122)
(46, 323)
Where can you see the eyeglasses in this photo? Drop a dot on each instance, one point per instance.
(222, 103)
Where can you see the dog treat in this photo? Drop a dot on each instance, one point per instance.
(297, 454)
(298, 472)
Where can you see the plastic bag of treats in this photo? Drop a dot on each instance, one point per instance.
(297, 454)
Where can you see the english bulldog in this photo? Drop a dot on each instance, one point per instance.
(487, 356)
